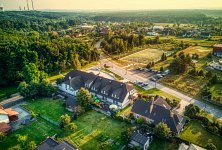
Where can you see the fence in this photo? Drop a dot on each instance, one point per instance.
(12, 101)
(49, 120)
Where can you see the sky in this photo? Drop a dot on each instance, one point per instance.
(114, 4)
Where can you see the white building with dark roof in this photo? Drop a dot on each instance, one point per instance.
(106, 90)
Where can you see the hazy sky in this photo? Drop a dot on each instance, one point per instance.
(115, 4)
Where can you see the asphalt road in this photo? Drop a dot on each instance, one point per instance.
(185, 100)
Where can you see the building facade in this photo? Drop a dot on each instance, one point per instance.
(106, 90)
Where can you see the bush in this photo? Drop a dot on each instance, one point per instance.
(211, 146)
(140, 120)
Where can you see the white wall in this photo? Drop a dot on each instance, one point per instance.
(67, 89)
(4, 118)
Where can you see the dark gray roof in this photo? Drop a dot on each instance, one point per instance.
(111, 87)
(51, 144)
(159, 114)
(139, 138)
(71, 101)
(79, 78)
(160, 101)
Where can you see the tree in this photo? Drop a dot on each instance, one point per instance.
(211, 146)
(2, 136)
(162, 131)
(191, 111)
(65, 120)
(31, 145)
(126, 134)
(31, 73)
(214, 79)
(71, 127)
(84, 98)
(22, 139)
(209, 74)
(17, 147)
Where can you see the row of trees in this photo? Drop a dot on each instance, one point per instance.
(114, 44)
(36, 21)
(49, 54)
(181, 63)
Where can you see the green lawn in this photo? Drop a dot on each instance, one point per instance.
(158, 144)
(36, 131)
(93, 125)
(197, 134)
(7, 90)
(156, 92)
(48, 107)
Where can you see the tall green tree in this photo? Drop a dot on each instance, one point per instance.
(84, 98)
(31, 73)
(162, 131)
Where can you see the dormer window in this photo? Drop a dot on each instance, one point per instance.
(94, 89)
(86, 85)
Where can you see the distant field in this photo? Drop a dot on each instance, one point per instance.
(201, 51)
(144, 56)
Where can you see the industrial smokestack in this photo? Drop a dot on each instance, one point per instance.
(32, 5)
(27, 4)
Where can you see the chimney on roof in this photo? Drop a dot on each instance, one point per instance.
(171, 114)
(151, 105)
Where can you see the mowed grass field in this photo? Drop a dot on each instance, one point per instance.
(48, 107)
(36, 131)
(197, 134)
(92, 126)
(144, 56)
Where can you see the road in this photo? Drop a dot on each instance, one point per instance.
(185, 100)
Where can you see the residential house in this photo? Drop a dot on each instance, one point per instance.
(4, 127)
(8, 115)
(109, 91)
(217, 50)
(4, 116)
(217, 65)
(156, 111)
(52, 144)
(190, 147)
(139, 140)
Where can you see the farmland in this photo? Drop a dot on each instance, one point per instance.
(144, 56)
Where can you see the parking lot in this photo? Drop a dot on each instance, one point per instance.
(150, 74)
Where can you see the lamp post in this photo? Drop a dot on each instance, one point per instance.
(206, 100)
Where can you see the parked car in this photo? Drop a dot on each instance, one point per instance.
(153, 79)
(144, 84)
(159, 76)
